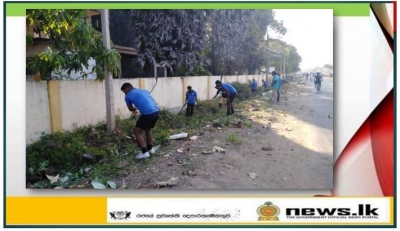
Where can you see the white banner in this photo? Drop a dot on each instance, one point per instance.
(316, 210)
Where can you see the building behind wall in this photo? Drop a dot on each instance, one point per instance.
(122, 36)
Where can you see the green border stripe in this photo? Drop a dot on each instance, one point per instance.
(339, 9)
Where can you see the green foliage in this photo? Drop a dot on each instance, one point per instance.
(243, 90)
(73, 42)
(234, 139)
(170, 37)
(293, 59)
(29, 39)
(236, 39)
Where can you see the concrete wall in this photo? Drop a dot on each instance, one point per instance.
(37, 110)
(83, 102)
(200, 85)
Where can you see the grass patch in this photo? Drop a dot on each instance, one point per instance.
(234, 139)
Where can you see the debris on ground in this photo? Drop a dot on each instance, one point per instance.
(189, 173)
(237, 124)
(268, 126)
(273, 119)
(88, 156)
(171, 182)
(289, 129)
(267, 149)
(329, 116)
(252, 175)
(218, 149)
(178, 136)
(53, 179)
(122, 163)
(185, 148)
(214, 149)
(125, 154)
(193, 138)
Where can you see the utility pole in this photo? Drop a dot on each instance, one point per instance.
(267, 62)
(284, 66)
(107, 75)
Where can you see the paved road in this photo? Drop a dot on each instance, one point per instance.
(322, 124)
(323, 107)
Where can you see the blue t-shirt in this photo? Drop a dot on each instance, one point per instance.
(142, 101)
(228, 87)
(191, 97)
(276, 84)
(254, 85)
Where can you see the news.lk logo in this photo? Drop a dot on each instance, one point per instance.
(364, 211)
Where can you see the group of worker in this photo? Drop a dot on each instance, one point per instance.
(141, 100)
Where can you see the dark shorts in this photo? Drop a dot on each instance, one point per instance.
(147, 122)
(232, 97)
(253, 90)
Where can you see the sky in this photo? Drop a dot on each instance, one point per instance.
(311, 32)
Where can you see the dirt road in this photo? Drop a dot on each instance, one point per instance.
(288, 145)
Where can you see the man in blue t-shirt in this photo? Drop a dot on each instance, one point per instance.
(149, 111)
(275, 86)
(191, 100)
(230, 95)
(254, 87)
(265, 84)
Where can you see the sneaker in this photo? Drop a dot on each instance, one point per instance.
(151, 151)
(143, 155)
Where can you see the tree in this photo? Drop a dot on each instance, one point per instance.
(236, 39)
(261, 20)
(292, 58)
(328, 66)
(73, 42)
(174, 38)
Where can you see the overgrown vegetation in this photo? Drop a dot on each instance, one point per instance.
(91, 157)
(72, 43)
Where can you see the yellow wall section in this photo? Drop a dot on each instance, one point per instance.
(55, 106)
(208, 87)
(52, 210)
(142, 84)
(184, 85)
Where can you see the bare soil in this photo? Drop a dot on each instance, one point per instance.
(275, 147)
